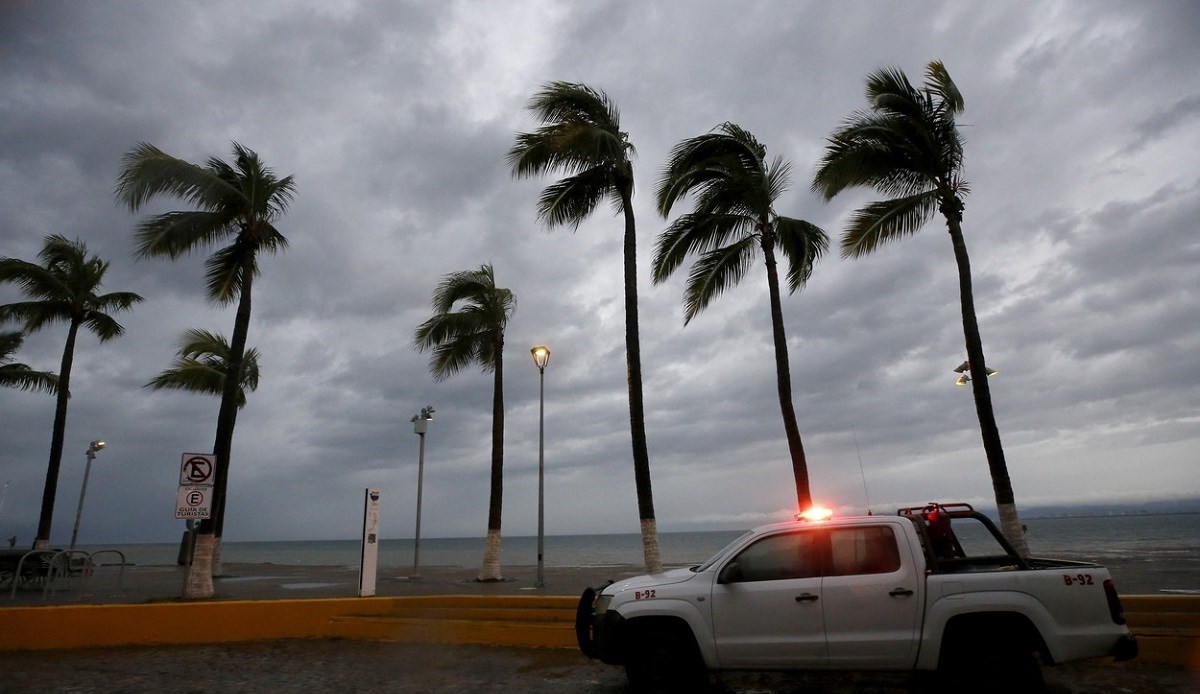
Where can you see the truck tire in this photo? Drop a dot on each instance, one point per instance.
(990, 656)
(664, 658)
(583, 623)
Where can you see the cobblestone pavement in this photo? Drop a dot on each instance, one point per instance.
(354, 666)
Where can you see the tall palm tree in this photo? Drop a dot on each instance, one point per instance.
(735, 190)
(237, 204)
(908, 147)
(582, 137)
(467, 327)
(14, 374)
(200, 366)
(62, 288)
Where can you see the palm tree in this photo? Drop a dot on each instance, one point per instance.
(735, 189)
(908, 147)
(17, 375)
(62, 288)
(467, 327)
(236, 204)
(582, 136)
(200, 366)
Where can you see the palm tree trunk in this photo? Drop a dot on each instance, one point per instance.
(57, 436)
(490, 570)
(783, 375)
(637, 415)
(199, 582)
(1010, 522)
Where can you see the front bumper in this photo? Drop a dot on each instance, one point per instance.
(598, 633)
(608, 628)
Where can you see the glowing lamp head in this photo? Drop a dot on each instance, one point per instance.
(815, 514)
(541, 356)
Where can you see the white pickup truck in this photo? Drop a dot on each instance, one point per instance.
(933, 588)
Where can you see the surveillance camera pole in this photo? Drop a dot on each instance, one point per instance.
(91, 455)
(420, 426)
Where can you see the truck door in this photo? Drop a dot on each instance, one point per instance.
(873, 599)
(767, 606)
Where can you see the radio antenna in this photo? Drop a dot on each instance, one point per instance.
(862, 471)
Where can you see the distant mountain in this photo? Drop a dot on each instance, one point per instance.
(1125, 508)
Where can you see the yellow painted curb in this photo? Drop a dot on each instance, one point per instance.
(497, 620)
(1167, 627)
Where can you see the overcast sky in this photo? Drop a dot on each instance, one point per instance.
(1082, 129)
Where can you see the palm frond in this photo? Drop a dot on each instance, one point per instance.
(715, 272)
(33, 280)
(695, 234)
(700, 164)
(21, 376)
(571, 200)
(175, 234)
(102, 325)
(887, 220)
(575, 103)
(224, 272)
(802, 243)
(35, 315)
(147, 171)
(938, 83)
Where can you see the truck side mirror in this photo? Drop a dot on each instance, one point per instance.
(732, 573)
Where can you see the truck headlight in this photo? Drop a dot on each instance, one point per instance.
(602, 602)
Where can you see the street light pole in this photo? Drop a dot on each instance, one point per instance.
(541, 357)
(420, 426)
(91, 455)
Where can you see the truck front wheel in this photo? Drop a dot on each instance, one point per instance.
(664, 658)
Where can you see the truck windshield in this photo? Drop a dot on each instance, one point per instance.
(725, 551)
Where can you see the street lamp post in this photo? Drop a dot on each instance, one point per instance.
(541, 357)
(91, 455)
(420, 426)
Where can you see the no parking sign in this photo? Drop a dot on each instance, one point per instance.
(196, 476)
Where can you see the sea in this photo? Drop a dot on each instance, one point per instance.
(1144, 553)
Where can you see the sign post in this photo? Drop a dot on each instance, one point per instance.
(196, 478)
(193, 500)
(369, 557)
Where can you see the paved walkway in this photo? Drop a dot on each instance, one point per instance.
(346, 666)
